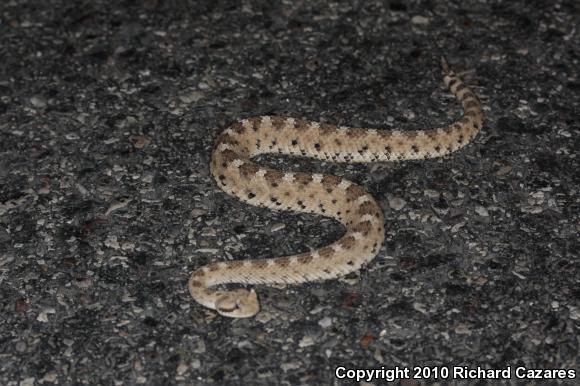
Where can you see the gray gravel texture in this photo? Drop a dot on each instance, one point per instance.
(108, 112)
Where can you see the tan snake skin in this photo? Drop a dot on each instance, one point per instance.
(327, 195)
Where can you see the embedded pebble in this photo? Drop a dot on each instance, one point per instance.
(325, 322)
(83, 283)
(37, 101)
(197, 212)
(44, 190)
(277, 227)
(397, 203)
(574, 313)
(537, 198)
(264, 316)
(21, 346)
(141, 141)
(181, 369)
(128, 246)
(431, 193)
(117, 204)
(43, 316)
(420, 20)
(290, 366)
(208, 232)
(420, 307)
(27, 381)
(111, 242)
(463, 329)
(195, 364)
(192, 96)
(199, 347)
(503, 170)
(49, 377)
(306, 341)
(532, 209)
(480, 210)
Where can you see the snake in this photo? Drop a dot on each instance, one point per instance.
(235, 173)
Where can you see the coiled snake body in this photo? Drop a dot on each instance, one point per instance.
(327, 195)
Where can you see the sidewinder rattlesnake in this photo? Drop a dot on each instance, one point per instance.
(327, 195)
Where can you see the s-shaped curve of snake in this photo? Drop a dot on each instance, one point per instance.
(327, 195)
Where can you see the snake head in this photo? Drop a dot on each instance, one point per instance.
(239, 303)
